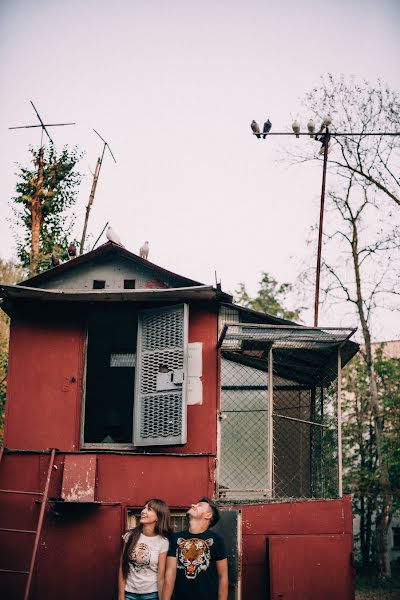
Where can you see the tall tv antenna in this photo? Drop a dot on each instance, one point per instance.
(93, 189)
(42, 125)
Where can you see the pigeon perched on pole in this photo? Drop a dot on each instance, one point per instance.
(325, 123)
(311, 128)
(72, 250)
(113, 236)
(255, 128)
(144, 250)
(266, 128)
(296, 128)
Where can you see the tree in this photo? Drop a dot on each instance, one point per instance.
(360, 107)
(271, 297)
(9, 274)
(44, 196)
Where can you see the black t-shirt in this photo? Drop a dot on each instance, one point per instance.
(196, 554)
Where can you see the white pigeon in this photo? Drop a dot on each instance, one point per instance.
(325, 123)
(144, 250)
(311, 128)
(113, 236)
(296, 128)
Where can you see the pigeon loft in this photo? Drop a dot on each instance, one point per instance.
(128, 381)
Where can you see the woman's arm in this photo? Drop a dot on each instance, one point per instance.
(223, 583)
(170, 575)
(121, 579)
(162, 561)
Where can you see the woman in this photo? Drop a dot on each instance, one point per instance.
(143, 558)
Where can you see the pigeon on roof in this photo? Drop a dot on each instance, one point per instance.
(267, 128)
(255, 128)
(113, 236)
(144, 250)
(72, 250)
(55, 261)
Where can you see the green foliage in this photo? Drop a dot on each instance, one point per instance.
(361, 466)
(57, 196)
(270, 298)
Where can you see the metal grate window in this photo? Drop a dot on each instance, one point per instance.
(161, 416)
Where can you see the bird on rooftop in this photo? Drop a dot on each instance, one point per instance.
(296, 128)
(255, 128)
(72, 250)
(267, 128)
(55, 261)
(144, 250)
(311, 128)
(113, 236)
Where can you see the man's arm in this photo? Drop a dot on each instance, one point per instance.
(223, 583)
(170, 576)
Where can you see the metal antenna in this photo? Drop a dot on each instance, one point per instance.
(93, 190)
(42, 125)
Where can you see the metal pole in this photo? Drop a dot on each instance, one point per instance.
(91, 198)
(339, 424)
(270, 423)
(321, 222)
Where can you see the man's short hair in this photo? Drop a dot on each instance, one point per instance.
(214, 510)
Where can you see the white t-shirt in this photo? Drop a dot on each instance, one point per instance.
(143, 563)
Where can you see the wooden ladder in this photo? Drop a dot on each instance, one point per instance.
(36, 532)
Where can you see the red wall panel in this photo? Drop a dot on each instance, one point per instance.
(44, 385)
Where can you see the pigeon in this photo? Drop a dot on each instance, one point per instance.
(255, 128)
(113, 236)
(296, 128)
(311, 128)
(55, 261)
(267, 128)
(325, 123)
(72, 250)
(144, 250)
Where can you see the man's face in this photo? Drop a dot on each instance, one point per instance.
(200, 510)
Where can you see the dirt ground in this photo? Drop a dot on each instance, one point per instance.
(377, 595)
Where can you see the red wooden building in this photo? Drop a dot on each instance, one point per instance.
(147, 383)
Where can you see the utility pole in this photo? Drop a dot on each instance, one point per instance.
(93, 189)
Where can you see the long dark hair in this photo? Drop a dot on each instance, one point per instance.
(162, 527)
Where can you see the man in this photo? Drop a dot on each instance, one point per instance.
(196, 559)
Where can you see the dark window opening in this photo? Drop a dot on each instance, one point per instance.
(99, 284)
(129, 284)
(110, 377)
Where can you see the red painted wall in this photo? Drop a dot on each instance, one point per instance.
(44, 404)
(43, 401)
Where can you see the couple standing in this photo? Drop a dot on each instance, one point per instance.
(156, 563)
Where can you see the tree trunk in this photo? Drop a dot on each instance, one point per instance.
(384, 513)
(36, 215)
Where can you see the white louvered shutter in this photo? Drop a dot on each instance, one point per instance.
(160, 415)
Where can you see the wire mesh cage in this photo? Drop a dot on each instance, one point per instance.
(279, 429)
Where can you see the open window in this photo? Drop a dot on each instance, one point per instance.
(136, 368)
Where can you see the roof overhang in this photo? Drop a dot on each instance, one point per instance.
(308, 355)
(201, 292)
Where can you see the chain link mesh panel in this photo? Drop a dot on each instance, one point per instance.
(244, 431)
(304, 424)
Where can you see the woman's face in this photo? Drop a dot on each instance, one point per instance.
(148, 516)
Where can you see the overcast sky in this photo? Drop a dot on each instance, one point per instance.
(173, 86)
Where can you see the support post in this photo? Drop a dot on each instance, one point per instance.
(320, 231)
(270, 423)
(339, 424)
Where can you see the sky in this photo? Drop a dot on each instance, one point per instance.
(173, 86)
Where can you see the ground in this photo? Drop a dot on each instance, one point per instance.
(371, 589)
